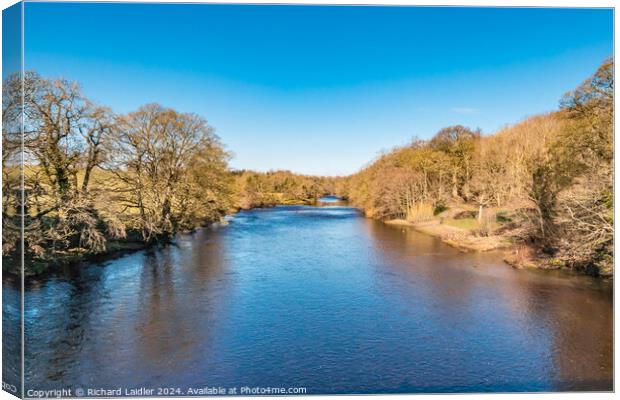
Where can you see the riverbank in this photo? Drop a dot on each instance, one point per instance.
(41, 267)
(36, 267)
(518, 255)
(460, 238)
(271, 204)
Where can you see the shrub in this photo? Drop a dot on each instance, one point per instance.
(502, 216)
(439, 207)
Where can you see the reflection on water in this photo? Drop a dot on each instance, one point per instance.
(317, 297)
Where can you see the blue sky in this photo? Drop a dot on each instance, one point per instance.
(321, 89)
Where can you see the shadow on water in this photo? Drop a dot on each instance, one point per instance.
(317, 297)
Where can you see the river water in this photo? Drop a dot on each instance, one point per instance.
(321, 298)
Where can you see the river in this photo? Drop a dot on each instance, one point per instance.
(315, 297)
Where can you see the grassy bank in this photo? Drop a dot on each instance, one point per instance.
(457, 236)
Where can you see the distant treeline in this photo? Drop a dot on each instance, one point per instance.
(95, 181)
(550, 178)
(260, 189)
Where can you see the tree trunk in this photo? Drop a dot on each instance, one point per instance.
(455, 192)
